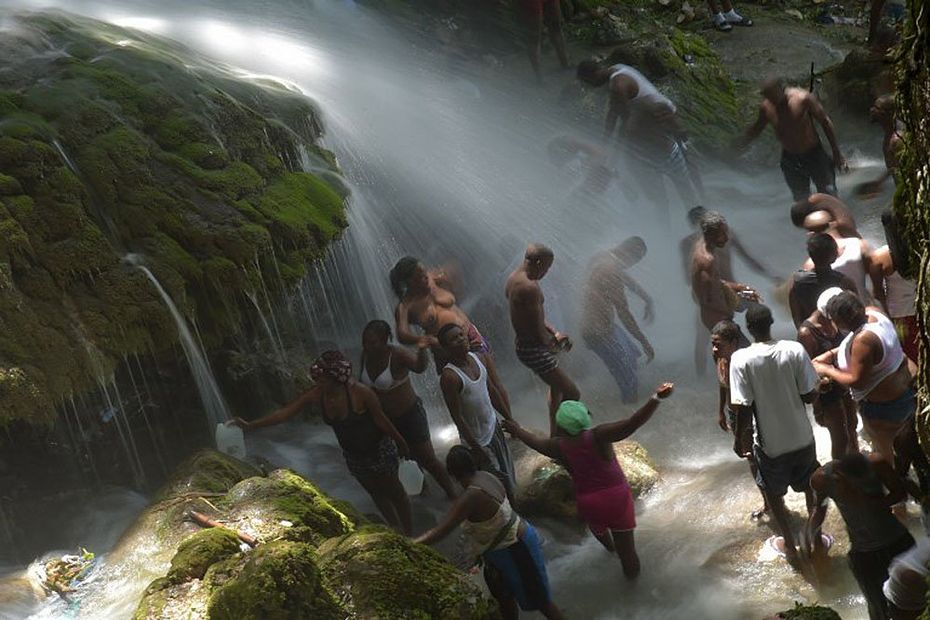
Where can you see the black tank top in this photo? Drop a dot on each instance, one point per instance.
(356, 433)
(824, 343)
(808, 285)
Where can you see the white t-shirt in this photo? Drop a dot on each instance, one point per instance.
(909, 593)
(773, 375)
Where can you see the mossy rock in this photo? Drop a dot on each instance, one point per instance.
(280, 580)
(286, 505)
(808, 612)
(381, 574)
(207, 471)
(545, 488)
(121, 147)
(855, 83)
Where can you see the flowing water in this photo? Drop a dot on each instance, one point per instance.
(446, 159)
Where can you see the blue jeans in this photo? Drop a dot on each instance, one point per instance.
(619, 353)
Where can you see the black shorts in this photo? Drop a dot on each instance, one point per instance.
(774, 475)
(800, 169)
(413, 425)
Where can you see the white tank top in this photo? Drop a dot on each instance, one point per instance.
(892, 354)
(850, 264)
(647, 90)
(477, 411)
(900, 296)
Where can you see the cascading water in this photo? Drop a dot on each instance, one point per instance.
(213, 402)
(448, 163)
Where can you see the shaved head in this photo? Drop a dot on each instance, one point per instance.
(818, 221)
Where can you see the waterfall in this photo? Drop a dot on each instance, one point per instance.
(210, 395)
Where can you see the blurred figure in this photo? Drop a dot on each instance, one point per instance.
(536, 14)
(369, 442)
(716, 297)
(602, 493)
(590, 159)
(857, 484)
(898, 296)
(834, 410)
(473, 403)
(511, 550)
(872, 364)
(777, 377)
(842, 217)
(604, 298)
(725, 19)
(537, 343)
(724, 258)
(906, 586)
(386, 368)
(855, 254)
(653, 138)
(817, 276)
(791, 112)
(882, 112)
(726, 338)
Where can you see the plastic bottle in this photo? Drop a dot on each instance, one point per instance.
(229, 440)
(410, 477)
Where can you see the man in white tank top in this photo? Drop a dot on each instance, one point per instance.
(652, 136)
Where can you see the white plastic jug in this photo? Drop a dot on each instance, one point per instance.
(229, 440)
(410, 476)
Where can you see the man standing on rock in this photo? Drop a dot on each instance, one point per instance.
(882, 113)
(538, 343)
(653, 138)
(776, 376)
(792, 112)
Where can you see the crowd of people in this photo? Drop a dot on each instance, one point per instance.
(852, 358)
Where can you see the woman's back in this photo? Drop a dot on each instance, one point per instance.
(591, 470)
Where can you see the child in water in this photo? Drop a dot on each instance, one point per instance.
(602, 493)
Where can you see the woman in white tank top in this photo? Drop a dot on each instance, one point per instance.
(899, 296)
(871, 363)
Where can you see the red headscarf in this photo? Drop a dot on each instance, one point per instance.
(331, 364)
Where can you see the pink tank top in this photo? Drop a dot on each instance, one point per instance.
(590, 471)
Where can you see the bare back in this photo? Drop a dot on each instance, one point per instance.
(604, 289)
(792, 121)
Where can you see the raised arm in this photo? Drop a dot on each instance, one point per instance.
(405, 334)
(817, 112)
(544, 445)
(283, 414)
(621, 429)
(373, 407)
(417, 362)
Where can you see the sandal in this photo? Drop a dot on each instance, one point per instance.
(743, 21)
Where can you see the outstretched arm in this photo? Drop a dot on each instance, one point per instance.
(544, 445)
(751, 260)
(283, 414)
(754, 130)
(413, 362)
(457, 513)
(621, 429)
(817, 112)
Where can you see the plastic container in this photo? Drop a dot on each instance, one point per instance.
(229, 440)
(410, 477)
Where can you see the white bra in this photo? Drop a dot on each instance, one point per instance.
(384, 382)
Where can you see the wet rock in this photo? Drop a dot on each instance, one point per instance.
(608, 29)
(807, 612)
(855, 83)
(545, 488)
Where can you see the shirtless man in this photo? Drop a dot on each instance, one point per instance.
(792, 112)
(604, 297)
(538, 343)
(840, 214)
(651, 133)
(724, 268)
(717, 297)
(882, 113)
(427, 301)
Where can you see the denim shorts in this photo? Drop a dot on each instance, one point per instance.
(897, 410)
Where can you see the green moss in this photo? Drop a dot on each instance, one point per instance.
(302, 209)
(809, 612)
(387, 576)
(279, 581)
(201, 550)
(9, 186)
(207, 471)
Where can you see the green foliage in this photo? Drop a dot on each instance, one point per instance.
(809, 612)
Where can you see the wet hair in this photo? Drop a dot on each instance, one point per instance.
(846, 308)
(696, 214)
(378, 327)
(444, 331)
(822, 248)
(401, 273)
(632, 250)
(587, 69)
(537, 252)
(728, 330)
(759, 319)
(712, 222)
(801, 210)
(460, 462)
